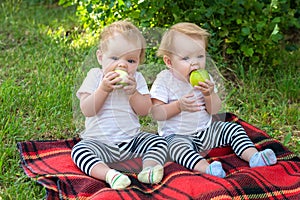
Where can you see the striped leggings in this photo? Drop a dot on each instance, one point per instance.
(87, 153)
(184, 149)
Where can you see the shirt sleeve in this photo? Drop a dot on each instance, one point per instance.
(141, 84)
(91, 82)
(159, 90)
(215, 87)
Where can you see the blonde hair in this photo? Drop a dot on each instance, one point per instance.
(126, 29)
(186, 28)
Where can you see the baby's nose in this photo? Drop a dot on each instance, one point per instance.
(122, 66)
(194, 65)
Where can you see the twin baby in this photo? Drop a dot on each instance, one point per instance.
(183, 112)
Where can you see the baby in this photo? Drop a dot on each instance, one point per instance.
(184, 113)
(111, 109)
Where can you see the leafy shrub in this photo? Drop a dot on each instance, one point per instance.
(240, 28)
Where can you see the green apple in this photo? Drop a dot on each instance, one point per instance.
(197, 76)
(123, 75)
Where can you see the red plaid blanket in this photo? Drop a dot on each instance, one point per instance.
(49, 163)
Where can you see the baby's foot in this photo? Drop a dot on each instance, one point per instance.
(151, 174)
(117, 180)
(215, 169)
(263, 158)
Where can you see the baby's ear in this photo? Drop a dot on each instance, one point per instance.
(99, 56)
(167, 61)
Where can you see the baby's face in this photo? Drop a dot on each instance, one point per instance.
(188, 54)
(121, 52)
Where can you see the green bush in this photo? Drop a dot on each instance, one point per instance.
(249, 29)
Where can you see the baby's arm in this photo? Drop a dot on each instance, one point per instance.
(141, 104)
(90, 104)
(162, 111)
(213, 102)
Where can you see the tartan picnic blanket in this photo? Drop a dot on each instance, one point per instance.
(50, 164)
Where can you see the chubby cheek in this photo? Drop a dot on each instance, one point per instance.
(132, 68)
(202, 63)
(185, 68)
(108, 66)
(181, 71)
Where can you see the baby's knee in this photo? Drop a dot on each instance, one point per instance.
(163, 142)
(239, 126)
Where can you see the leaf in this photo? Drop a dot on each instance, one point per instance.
(261, 26)
(247, 51)
(258, 37)
(275, 30)
(245, 31)
(230, 51)
(276, 20)
(121, 2)
(89, 8)
(274, 4)
(238, 21)
(224, 33)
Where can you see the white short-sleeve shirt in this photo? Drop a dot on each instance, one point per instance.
(116, 121)
(168, 88)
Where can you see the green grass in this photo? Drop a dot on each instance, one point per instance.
(38, 64)
(42, 53)
(271, 102)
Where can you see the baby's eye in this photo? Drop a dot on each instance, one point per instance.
(131, 61)
(114, 58)
(185, 58)
(200, 56)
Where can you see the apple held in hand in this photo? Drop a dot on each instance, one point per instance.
(123, 75)
(197, 76)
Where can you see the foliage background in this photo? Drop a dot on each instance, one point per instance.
(240, 28)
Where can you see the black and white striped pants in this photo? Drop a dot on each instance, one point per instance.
(184, 149)
(87, 153)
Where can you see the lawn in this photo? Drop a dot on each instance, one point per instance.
(43, 50)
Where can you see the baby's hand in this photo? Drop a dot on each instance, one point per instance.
(207, 87)
(109, 81)
(130, 88)
(189, 103)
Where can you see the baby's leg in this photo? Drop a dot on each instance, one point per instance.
(259, 158)
(153, 149)
(227, 133)
(151, 174)
(87, 156)
(183, 150)
(215, 168)
(234, 135)
(116, 179)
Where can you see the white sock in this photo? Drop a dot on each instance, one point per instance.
(117, 180)
(151, 175)
(263, 158)
(215, 169)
